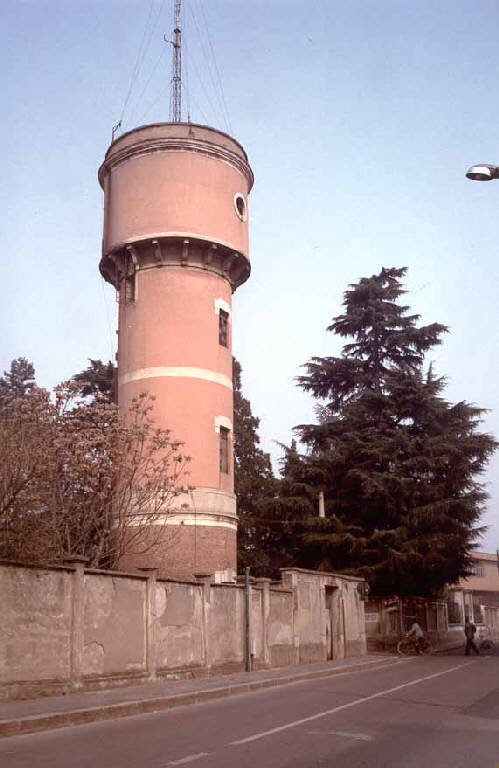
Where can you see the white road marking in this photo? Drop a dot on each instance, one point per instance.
(188, 759)
(280, 728)
(357, 736)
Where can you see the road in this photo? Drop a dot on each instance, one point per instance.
(431, 711)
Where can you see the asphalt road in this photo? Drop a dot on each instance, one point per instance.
(433, 711)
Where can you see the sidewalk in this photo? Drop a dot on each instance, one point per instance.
(17, 717)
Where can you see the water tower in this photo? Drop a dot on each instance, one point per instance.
(175, 247)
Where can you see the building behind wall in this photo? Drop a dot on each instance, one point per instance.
(478, 595)
(389, 618)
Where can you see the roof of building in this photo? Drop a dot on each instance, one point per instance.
(485, 556)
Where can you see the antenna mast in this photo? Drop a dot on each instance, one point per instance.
(176, 89)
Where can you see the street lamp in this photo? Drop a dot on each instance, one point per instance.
(483, 172)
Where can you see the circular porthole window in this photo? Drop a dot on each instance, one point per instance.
(240, 206)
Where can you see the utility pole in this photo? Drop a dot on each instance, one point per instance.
(322, 511)
(247, 608)
(176, 89)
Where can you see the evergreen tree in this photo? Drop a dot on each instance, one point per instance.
(398, 463)
(19, 380)
(294, 506)
(253, 482)
(97, 378)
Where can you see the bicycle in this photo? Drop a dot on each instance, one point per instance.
(487, 647)
(409, 645)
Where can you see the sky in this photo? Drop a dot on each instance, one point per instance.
(359, 120)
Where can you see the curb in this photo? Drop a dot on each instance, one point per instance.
(33, 723)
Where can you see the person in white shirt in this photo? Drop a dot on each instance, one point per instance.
(417, 633)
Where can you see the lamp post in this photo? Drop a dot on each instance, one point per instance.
(483, 172)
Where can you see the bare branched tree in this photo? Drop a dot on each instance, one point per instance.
(24, 427)
(77, 479)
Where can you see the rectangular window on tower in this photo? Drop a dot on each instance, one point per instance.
(224, 450)
(223, 328)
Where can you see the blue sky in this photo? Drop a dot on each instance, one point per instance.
(359, 120)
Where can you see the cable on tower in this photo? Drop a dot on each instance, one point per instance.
(148, 81)
(196, 71)
(225, 111)
(138, 62)
(214, 86)
(151, 106)
(115, 129)
(186, 88)
(151, 25)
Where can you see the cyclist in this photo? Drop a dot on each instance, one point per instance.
(417, 634)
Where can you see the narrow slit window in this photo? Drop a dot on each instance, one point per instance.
(224, 450)
(223, 328)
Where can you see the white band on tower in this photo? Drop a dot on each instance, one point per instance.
(176, 371)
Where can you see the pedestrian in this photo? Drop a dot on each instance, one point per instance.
(469, 633)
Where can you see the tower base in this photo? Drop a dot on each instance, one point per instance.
(198, 535)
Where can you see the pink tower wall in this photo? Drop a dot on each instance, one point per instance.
(176, 247)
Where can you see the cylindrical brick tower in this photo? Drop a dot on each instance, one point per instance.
(175, 246)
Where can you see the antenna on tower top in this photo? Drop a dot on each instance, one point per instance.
(176, 82)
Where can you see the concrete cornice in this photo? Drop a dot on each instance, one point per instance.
(182, 127)
(175, 144)
(174, 250)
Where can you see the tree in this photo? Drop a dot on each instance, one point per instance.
(19, 380)
(253, 483)
(24, 435)
(76, 479)
(97, 379)
(294, 504)
(399, 465)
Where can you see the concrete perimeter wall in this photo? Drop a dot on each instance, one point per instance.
(70, 628)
